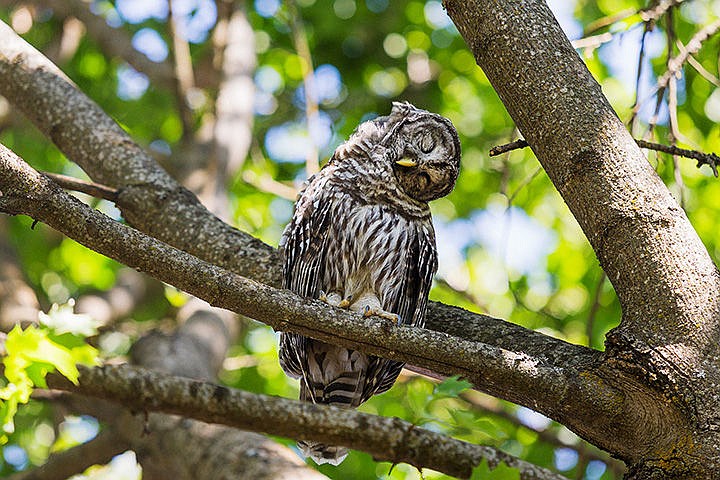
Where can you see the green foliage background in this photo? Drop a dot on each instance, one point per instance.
(372, 44)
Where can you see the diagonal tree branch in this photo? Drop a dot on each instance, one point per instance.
(388, 439)
(565, 382)
(149, 198)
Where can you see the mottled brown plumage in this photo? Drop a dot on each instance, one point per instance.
(362, 238)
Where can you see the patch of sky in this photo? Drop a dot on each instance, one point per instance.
(532, 419)
(137, 11)
(81, 429)
(564, 12)
(453, 238)
(510, 234)
(436, 16)
(161, 146)
(621, 54)
(150, 43)
(517, 241)
(15, 456)
(268, 80)
(595, 470)
(267, 8)
(328, 87)
(292, 141)
(103, 8)
(565, 459)
(131, 83)
(195, 18)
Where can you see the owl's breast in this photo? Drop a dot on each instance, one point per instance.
(369, 248)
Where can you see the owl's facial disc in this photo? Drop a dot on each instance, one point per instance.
(428, 160)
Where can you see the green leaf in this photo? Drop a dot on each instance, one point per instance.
(451, 387)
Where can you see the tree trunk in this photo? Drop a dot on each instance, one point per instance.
(664, 354)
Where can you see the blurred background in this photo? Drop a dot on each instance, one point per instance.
(242, 100)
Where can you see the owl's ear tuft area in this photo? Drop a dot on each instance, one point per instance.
(402, 108)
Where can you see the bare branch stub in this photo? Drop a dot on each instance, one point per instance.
(91, 188)
(508, 147)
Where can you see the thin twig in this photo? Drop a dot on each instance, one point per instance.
(603, 22)
(299, 35)
(592, 42)
(641, 56)
(700, 69)
(710, 159)
(91, 188)
(500, 149)
(654, 12)
(524, 184)
(268, 184)
(184, 76)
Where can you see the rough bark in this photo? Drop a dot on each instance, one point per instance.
(668, 286)
(388, 439)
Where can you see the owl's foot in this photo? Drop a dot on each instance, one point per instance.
(335, 299)
(345, 302)
(393, 317)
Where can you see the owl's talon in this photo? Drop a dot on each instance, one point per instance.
(345, 302)
(393, 317)
(323, 297)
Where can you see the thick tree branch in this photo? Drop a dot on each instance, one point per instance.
(565, 382)
(389, 439)
(149, 199)
(27, 192)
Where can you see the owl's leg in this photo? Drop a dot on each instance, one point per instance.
(335, 299)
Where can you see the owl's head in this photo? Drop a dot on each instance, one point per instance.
(424, 151)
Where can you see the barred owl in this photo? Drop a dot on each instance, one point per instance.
(362, 238)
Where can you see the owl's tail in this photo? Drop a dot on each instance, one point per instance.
(322, 453)
(342, 392)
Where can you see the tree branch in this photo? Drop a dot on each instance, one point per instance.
(710, 159)
(90, 188)
(388, 439)
(149, 199)
(563, 381)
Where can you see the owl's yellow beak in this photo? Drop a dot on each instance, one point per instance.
(406, 162)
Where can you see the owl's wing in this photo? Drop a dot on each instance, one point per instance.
(409, 300)
(303, 244)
